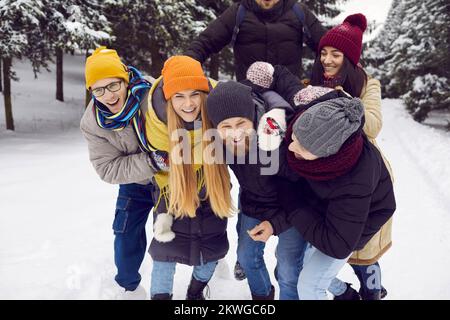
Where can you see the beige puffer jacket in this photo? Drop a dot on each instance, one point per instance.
(381, 241)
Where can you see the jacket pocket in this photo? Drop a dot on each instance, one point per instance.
(121, 215)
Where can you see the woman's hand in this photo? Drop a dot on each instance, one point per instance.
(261, 232)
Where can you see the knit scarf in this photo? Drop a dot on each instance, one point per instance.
(331, 167)
(332, 82)
(130, 112)
(159, 140)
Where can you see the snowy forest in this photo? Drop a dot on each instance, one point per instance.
(409, 55)
(57, 215)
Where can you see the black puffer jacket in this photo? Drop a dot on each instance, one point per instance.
(275, 36)
(341, 215)
(258, 178)
(203, 238)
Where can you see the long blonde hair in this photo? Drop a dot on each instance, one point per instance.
(185, 182)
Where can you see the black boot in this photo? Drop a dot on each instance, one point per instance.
(195, 290)
(239, 273)
(271, 295)
(349, 294)
(374, 295)
(383, 292)
(162, 296)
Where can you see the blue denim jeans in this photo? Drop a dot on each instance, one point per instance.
(164, 272)
(133, 206)
(319, 271)
(289, 253)
(369, 279)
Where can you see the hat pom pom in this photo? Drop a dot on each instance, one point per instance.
(355, 110)
(358, 20)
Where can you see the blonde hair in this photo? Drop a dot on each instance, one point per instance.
(185, 183)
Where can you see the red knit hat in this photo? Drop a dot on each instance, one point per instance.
(347, 37)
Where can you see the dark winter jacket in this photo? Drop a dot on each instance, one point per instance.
(275, 36)
(202, 238)
(341, 215)
(258, 192)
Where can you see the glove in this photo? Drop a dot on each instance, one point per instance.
(159, 160)
(271, 129)
(261, 74)
(162, 228)
(310, 93)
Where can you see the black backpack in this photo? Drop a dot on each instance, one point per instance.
(240, 15)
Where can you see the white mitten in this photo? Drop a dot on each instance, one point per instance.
(261, 74)
(162, 228)
(271, 129)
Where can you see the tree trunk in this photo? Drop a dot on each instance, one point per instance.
(7, 93)
(88, 97)
(214, 66)
(157, 59)
(59, 75)
(1, 83)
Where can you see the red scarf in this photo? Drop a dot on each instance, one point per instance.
(328, 168)
(332, 82)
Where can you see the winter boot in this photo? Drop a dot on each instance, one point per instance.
(349, 294)
(239, 273)
(383, 292)
(370, 295)
(195, 290)
(271, 295)
(162, 296)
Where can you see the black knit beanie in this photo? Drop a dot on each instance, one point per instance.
(230, 99)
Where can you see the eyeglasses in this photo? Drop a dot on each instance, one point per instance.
(112, 87)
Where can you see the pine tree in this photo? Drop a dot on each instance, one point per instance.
(147, 32)
(19, 33)
(72, 25)
(410, 55)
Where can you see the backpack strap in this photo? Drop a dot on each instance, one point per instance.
(240, 15)
(301, 17)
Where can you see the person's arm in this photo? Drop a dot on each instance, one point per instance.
(112, 165)
(262, 76)
(371, 99)
(337, 232)
(216, 36)
(315, 28)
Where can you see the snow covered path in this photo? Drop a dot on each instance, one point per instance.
(56, 215)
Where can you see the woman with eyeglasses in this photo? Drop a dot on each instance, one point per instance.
(113, 125)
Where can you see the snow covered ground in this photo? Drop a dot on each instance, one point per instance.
(56, 214)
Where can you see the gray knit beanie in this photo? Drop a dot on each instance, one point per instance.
(230, 99)
(323, 128)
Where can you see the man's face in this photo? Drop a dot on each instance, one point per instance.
(236, 134)
(267, 4)
(299, 151)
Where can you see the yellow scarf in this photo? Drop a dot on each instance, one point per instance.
(158, 139)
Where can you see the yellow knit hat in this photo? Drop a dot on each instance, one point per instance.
(182, 73)
(104, 63)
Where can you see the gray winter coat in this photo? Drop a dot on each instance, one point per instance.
(115, 155)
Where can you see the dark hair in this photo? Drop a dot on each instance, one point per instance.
(352, 78)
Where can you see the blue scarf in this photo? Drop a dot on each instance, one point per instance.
(130, 112)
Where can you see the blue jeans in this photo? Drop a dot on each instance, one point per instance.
(133, 206)
(317, 274)
(164, 272)
(289, 253)
(369, 279)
